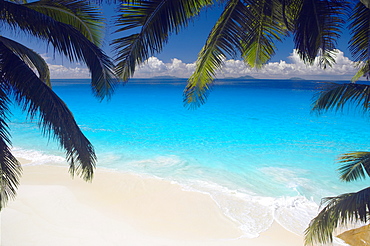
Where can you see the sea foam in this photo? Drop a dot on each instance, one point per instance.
(34, 157)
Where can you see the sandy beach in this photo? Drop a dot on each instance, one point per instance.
(51, 208)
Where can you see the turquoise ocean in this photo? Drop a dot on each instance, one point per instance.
(255, 147)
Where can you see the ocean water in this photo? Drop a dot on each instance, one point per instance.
(255, 147)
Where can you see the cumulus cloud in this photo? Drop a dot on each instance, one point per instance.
(72, 71)
(343, 69)
(62, 72)
(155, 67)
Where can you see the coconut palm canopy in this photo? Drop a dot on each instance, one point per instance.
(251, 29)
(246, 28)
(73, 29)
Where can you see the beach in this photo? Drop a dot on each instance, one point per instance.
(237, 171)
(119, 208)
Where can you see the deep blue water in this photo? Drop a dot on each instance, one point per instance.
(255, 146)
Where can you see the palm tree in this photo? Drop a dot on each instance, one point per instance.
(73, 29)
(350, 207)
(250, 29)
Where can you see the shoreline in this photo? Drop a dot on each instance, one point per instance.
(118, 207)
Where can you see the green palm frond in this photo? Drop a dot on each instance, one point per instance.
(359, 44)
(366, 3)
(317, 28)
(339, 211)
(10, 168)
(224, 39)
(152, 21)
(363, 71)
(356, 165)
(10, 172)
(262, 31)
(80, 14)
(31, 58)
(55, 119)
(112, 1)
(18, 1)
(66, 40)
(287, 13)
(336, 96)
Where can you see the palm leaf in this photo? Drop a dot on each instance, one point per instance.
(366, 3)
(317, 28)
(10, 168)
(249, 27)
(55, 119)
(339, 211)
(359, 44)
(263, 30)
(66, 40)
(363, 71)
(289, 12)
(10, 172)
(18, 1)
(80, 14)
(31, 58)
(151, 23)
(112, 1)
(224, 39)
(356, 165)
(335, 96)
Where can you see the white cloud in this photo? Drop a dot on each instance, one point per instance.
(73, 71)
(155, 67)
(62, 72)
(343, 69)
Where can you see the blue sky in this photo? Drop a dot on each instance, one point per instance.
(179, 54)
(186, 45)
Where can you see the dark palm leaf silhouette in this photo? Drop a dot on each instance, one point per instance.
(72, 28)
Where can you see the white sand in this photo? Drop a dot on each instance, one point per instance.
(52, 209)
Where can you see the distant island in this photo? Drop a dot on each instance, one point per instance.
(296, 78)
(241, 78)
(164, 77)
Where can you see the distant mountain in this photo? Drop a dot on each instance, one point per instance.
(246, 77)
(241, 78)
(164, 77)
(296, 78)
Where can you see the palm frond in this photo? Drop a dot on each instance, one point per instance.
(152, 21)
(289, 11)
(359, 44)
(356, 165)
(18, 1)
(318, 26)
(83, 16)
(366, 3)
(55, 119)
(339, 211)
(112, 1)
(262, 31)
(224, 39)
(363, 71)
(31, 58)
(66, 40)
(10, 168)
(10, 172)
(336, 96)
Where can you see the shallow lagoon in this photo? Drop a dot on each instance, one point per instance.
(255, 146)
